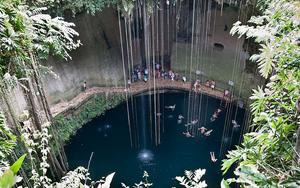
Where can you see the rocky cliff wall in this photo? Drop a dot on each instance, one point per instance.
(97, 61)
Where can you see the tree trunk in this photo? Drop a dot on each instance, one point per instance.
(298, 146)
(31, 104)
(11, 112)
(17, 130)
(63, 164)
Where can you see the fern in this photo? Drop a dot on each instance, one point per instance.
(192, 179)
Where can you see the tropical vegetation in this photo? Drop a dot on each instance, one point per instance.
(269, 156)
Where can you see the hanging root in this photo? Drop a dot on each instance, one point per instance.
(298, 105)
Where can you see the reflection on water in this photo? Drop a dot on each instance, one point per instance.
(145, 156)
(104, 130)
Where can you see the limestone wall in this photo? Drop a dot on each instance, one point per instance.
(98, 60)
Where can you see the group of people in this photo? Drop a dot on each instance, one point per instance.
(204, 131)
(211, 84)
(143, 74)
(139, 74)
(189, 126)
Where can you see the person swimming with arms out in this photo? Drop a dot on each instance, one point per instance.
(188, 134)
(235, 124)
(202, 130)
(215, 114)
(171, 107)
(208, 132)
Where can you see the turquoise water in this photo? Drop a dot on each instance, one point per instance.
(108, 137)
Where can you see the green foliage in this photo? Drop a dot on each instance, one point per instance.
(265, 60)
(29, 35)
(76, 6)
(192, 179)
(267, 157)
(106, 181)
(78, 178)
(127, 6)
(9, 178)
(17, 165)
(94, 107)
(91, 6)
(142, 184)
(8, 175)
(7, 140)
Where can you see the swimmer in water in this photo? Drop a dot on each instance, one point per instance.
(202, 130)
(187, 124)
(235, 124)
(213, 157)
(171, 107)
(194, 122)
(180, 117)
(214, 116)
(187, 134)
(208, 132)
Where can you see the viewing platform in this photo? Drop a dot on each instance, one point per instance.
(135, 88)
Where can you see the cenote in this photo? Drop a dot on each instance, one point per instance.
(108, 137)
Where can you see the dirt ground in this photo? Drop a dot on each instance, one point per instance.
(135, 88)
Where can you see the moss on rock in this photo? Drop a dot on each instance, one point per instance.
(97, 105)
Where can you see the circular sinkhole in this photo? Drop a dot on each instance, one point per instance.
(155, 141)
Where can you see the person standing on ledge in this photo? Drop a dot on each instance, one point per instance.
(213, 84)
(129, 83)
(225, 27)
(84, 86)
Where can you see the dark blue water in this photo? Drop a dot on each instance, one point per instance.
(108, 137)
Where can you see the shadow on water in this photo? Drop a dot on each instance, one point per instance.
(108, 137)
